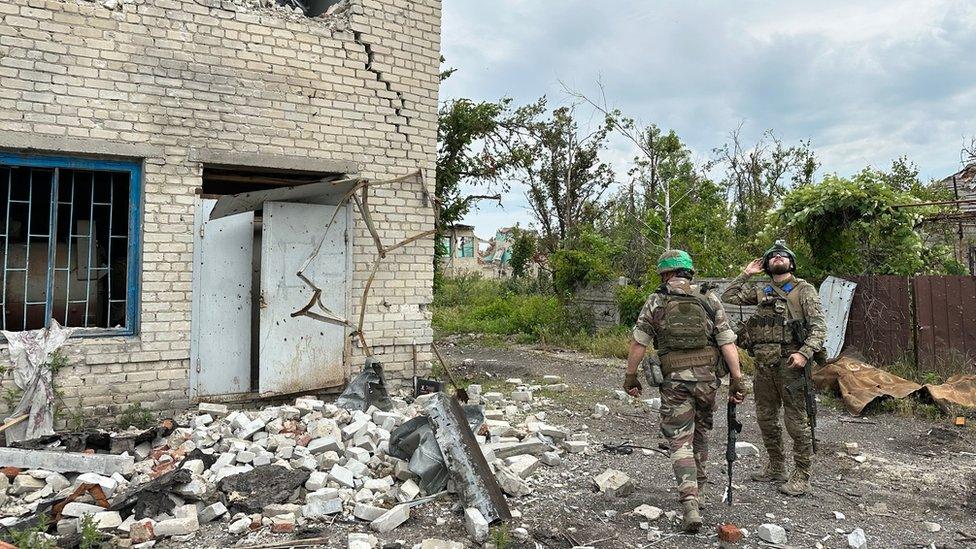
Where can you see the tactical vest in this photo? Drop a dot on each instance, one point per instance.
(683, 336)
(775, 330)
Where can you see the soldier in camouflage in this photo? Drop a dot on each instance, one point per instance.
(786, 331)
(694, 342)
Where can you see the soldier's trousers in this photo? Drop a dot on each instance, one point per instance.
(771, 387)
(686, 418)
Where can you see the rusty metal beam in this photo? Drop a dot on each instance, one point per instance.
(463, 457)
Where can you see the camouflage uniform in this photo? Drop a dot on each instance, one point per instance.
(687, 395)
(774, 377)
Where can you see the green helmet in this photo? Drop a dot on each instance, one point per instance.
(673, 260)
(779, 246)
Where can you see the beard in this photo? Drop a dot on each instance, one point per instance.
(779, 268)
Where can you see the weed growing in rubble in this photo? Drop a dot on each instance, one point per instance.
(501, 537)
(91, 538)
(135, 416)
(33, 537)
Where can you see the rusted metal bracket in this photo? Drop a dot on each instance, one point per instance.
(315, 309)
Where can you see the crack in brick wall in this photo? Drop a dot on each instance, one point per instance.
(400, 104)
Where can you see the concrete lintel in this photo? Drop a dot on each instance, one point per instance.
(66, 462)
(21, 141)
(273, 161)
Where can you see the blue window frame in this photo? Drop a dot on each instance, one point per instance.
(70, 243)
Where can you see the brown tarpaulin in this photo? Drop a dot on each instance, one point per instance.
(860, 384)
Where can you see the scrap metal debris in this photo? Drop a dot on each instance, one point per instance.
(861, 384)
(367, 389)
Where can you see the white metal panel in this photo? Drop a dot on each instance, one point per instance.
(836, 295)
(299, 353)
(220, 349)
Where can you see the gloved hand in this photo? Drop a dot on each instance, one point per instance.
(736, 385)
(632, 385)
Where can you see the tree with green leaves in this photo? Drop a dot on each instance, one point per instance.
(479, 144)
(566, 178)
(857, 225)
(758, 176)
(523, 252)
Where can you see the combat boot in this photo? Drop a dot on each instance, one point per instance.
(798, 484)
(691, 521)
(773, 472)
(702, 502)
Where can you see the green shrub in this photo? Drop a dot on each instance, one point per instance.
(135, 416)
(630, 301)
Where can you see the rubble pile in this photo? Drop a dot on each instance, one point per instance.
(285, 467)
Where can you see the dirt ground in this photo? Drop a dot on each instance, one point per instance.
(915, 471)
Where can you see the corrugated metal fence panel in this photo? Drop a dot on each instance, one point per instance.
(946, 322)
(880, 322)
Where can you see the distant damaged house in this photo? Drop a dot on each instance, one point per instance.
(460, 247)
(962, 217)
(168, 166)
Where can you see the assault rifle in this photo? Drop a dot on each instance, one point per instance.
(734, 428)
(806, 383)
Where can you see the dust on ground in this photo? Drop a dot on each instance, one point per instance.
(915, 471)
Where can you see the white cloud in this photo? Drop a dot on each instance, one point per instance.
(865, 82)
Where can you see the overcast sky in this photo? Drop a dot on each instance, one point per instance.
(864, 81)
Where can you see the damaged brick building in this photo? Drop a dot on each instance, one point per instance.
(124, 121)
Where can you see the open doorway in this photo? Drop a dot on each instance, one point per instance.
(245, 287)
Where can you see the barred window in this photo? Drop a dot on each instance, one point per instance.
(70, 243)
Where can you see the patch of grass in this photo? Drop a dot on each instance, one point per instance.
(469, 305)
(909, 407)
(135, 416)
(606, 342)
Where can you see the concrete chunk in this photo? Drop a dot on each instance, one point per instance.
(212, 512)
(523, 466)
(772, 533)
(391, 519)
(107, 520)
(219, 410)
(177, 526)
(342, 476)
(369, 513)
(475, 524)
(614, 483)
(77, 509)
(67, 462)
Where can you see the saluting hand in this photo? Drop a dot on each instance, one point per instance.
(754, 267)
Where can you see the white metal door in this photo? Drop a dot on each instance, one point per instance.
(299, 353)
(220, 341)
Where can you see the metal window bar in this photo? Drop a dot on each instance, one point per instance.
(108, 262)
(6, 244)
(30, 212)
(33, 169)
(52, 246)
(67, 265)
(91, 245)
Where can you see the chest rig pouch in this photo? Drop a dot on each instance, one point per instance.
(771, 332)
(683, 338)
